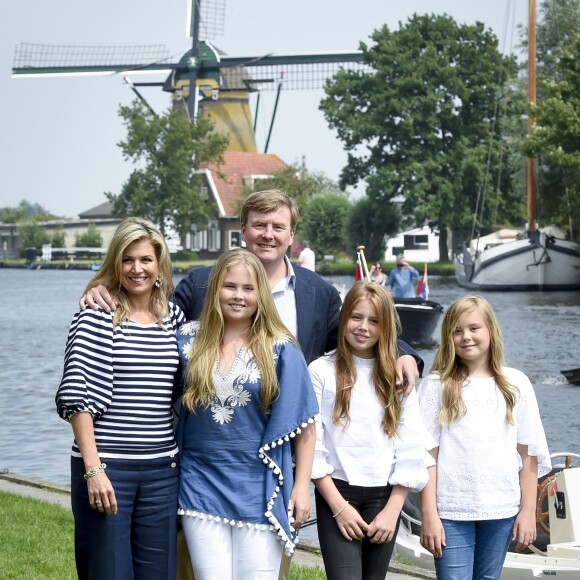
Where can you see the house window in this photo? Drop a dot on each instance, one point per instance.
(397, 250)
(235, 239)
(419, 242)
(213, 240)
(197, 241)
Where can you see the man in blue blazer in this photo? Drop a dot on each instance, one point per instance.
(308, 305)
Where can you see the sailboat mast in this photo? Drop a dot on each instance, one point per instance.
(532, 183)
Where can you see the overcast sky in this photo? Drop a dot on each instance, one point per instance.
(58, 136)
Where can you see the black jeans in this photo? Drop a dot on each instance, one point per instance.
(356, 559)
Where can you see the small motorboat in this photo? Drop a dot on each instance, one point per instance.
(572, 376)
(556, 552)
(419, 318)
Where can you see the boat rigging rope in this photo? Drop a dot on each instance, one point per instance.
(482, 193)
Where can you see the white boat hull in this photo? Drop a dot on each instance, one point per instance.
(539, 263)
(561, 559)
(516, 566)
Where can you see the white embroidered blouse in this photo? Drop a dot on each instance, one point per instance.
(478, 463)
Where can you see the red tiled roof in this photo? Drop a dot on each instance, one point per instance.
(236, 166)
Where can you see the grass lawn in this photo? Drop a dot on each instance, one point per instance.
(37, 542)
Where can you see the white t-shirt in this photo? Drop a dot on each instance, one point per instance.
(478, 463)
(362, 454)
(307, 259)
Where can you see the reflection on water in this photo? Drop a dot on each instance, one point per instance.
(541, 330)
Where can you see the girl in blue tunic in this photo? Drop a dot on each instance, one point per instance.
(248, 405)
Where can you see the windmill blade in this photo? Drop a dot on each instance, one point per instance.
(57, 60)
(210, 15)
(300, 71)
(131, 85)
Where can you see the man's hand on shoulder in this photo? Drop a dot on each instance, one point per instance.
(407, 374)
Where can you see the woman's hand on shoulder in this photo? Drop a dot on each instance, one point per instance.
(432, 535)
(351, 524)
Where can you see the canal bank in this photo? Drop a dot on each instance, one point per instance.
(306, 554)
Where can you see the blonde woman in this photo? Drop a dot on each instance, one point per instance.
(248, 403)
(116, 391)
(491, 448)
(371, 446)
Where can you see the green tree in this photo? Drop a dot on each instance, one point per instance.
(298, 182)
(58, 237)
(368, 223)
(324, 222)
(557, 140)
(90, 239)
(418, 122)
(25, 211)
(32, 235)
(557, 30)
(168, 151)
(558, 23)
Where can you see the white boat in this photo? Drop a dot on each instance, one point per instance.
(537, 261)
(555, 555)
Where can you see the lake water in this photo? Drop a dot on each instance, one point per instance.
(541, 330)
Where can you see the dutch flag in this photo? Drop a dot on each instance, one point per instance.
(423, 285)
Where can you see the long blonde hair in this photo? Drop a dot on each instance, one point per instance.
(453, 373)
(134, 229)
(267, 327)
(385, 350)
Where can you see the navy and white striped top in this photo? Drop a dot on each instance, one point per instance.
(125, 379)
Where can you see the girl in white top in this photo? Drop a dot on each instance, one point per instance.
(491, 448)
(370, 445)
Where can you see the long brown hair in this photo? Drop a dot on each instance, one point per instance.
(131, 230)
(267, 326)
(453, 373)
(384, 374)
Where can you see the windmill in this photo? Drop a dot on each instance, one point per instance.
(204, 80)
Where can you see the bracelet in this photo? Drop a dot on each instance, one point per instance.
(95, 471)
(340, 510)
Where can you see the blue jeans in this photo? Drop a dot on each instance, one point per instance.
(140, 541)
(475, 550)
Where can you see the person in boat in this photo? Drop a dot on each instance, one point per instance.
(248, 405)
(400, 280)
(116, 392)
(377, 274)
(371, 446)
(491, 448)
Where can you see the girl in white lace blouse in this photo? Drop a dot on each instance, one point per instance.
(370, 446)
(491, 448)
